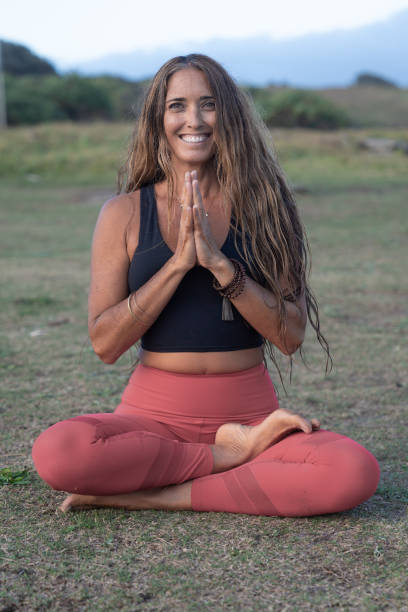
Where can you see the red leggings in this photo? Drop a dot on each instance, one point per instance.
(160, 435)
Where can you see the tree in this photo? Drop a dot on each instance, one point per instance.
(79, 98)
(29, 103)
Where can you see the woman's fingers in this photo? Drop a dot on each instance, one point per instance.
(198, 200)
(188, 204)
(187, 219)
(198, 208)
(207, 250)
(188, 198)
(197, 219)
(185, 251)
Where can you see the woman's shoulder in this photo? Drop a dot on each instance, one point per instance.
(118, 223)
(121, 207)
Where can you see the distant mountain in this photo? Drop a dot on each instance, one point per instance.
(312, 61)
(19, 60)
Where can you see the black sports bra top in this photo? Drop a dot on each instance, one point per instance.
(192, 319)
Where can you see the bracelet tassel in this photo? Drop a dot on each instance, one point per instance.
(227, 314)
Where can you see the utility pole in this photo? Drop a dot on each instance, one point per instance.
(3, 112)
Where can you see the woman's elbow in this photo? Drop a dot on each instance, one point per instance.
(290, 349)
(108, 359)
(103, 354)
(101, 349)
(289, 345)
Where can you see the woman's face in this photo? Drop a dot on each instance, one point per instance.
(190, 116)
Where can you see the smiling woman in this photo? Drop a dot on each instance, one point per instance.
(204, 259)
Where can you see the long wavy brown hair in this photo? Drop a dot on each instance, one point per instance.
(264, 212)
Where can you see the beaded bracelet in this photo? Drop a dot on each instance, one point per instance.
(232, 290)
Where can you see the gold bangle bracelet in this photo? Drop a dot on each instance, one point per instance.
(130, 308)
(139, 308)
(150, 319)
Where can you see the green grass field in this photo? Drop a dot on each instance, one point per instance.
(54, 179)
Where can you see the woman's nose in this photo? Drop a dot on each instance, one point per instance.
(194, 119)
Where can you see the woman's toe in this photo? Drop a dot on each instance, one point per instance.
(66, 504)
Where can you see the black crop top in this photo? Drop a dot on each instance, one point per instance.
(192, 319)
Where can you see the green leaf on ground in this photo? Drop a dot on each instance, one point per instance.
(8, 476)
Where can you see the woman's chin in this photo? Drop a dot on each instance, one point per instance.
(193, 160)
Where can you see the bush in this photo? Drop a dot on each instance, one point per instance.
(125, 96)
(31, 100)
(27, 103)
(79, 98)
(299, 108)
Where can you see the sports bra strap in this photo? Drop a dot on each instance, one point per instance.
(149, 232)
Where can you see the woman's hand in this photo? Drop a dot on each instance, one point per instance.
(208, 253)
(185, 254)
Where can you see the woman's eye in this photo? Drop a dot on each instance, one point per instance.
(179, 105)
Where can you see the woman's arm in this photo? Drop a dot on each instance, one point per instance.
(112, 327)
(259, 307)
(256, 304)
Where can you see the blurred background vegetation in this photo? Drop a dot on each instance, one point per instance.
(35, 93)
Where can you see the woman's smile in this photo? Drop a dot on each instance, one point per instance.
(194, 139)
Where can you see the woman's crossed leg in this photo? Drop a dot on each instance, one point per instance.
(136, 463)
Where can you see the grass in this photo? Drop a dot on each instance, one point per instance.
(368, 105)
(354, 207)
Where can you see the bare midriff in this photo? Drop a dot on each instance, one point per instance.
(223, 362)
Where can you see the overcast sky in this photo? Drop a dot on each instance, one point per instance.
(86, 29)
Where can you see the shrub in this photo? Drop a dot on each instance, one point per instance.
(125, 96)
(27, 103)
(300, 108)
(79, 98)
(31, 100)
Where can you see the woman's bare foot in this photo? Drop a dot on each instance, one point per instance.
(172, 497)
(246, 442)
(74, 500)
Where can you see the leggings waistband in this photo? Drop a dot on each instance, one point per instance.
(230, 396)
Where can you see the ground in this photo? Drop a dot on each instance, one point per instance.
(353, 204)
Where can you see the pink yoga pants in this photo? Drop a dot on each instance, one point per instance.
(160, 435)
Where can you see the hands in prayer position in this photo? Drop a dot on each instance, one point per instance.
(196, 244)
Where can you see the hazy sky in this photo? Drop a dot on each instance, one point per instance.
(86, 29)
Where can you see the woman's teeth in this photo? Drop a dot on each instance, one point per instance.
(200, 138)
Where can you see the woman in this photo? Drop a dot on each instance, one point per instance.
(203, 258)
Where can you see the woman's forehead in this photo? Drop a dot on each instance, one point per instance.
(188, 81)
